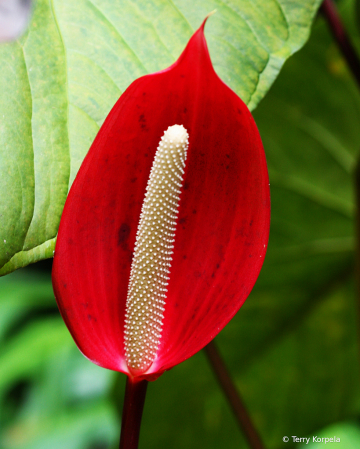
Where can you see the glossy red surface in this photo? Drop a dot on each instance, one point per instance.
(223, 221)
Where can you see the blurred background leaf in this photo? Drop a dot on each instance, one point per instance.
(50, 395)
(292, 348)
(347, 432)
(57, 96)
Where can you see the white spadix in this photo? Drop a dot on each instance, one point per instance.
(151, 263)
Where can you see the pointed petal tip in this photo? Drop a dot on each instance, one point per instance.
(196, 45)
(205, 20)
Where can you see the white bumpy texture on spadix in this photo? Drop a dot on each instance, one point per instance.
(154, 246)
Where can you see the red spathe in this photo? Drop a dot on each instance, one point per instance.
(223, 221)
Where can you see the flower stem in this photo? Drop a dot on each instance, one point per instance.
(132, 412)
(331, 14)
(233, 396)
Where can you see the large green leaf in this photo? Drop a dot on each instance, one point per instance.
(61, 79)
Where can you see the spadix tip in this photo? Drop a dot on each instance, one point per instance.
(177, 134)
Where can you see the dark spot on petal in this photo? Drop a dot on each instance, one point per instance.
(90, 317)
(133, 179)
(186, 185)
(64, 285)
(251, 222)
(123, 233)
(194, 211)
(197, 274)
(185, 110)
(217, 265)
(185, 257)
(142, 121)
(228, 156)
(182, 220)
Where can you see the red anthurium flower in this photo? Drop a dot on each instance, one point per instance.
(156, 253)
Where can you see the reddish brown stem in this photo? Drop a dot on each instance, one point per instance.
(132, 412)
(233, 396)
(331, 14)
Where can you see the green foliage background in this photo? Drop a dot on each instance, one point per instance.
(292, 348)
